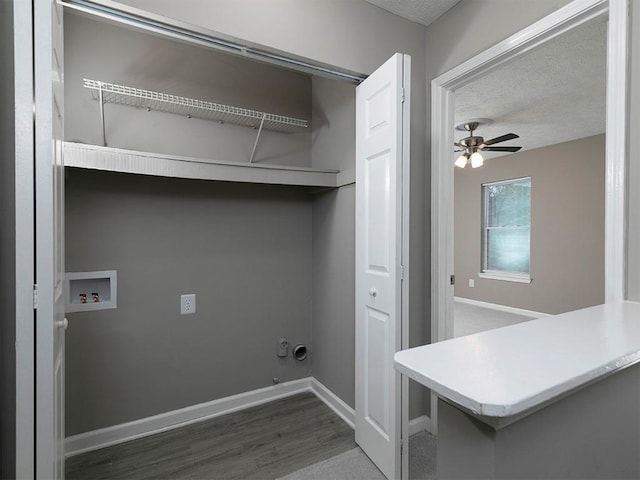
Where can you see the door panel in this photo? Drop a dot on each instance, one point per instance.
(377, 376)
(377, 171)
(381, 150)
(49, 206)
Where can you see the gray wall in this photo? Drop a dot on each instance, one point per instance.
(334, 219)
(334, 291)
(333, 111)
(101, 51)
(633, 243)
(7, 246)
(361, 38)
(555, 442)
(486, 22)
(166, 237)
(567, 227)
(351, 34)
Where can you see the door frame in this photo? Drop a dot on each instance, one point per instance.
(566, 18)
(173, 28)
(49, 306)
(24, 241)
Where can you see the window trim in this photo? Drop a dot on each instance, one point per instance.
(520, 277)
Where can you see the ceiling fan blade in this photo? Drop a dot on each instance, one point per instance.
(502, 138)
(501, 149)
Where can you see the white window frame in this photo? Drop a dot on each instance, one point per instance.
(503, 275)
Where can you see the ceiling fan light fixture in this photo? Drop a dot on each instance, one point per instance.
(476, 160)
(473, 144)
(461, 162)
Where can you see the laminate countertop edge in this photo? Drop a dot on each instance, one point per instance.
(504, 374)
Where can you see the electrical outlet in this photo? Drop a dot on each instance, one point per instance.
(187, 304)
(283, 347)
(472, 282)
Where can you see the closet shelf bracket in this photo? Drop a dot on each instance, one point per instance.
(253, 152)
(101, 100)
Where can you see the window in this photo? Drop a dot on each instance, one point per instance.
(506, 229)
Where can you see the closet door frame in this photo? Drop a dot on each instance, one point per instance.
(172, 28)
(23, 240)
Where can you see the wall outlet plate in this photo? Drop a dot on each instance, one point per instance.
(187, 304)
(283, 347)
(472, 282)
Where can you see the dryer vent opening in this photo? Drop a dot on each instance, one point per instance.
(299, 352)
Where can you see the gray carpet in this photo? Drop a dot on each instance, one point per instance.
(469, 319)
(355, 465)
(351, 465)
(422, 456)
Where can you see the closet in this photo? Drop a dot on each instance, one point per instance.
(191, 171)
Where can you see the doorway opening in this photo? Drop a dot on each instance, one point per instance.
(565, 19)
(529, 222)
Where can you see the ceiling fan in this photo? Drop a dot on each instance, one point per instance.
(472, 145)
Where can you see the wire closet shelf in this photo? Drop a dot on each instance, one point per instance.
(191, 107)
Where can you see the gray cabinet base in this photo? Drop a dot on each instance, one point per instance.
(591, 434)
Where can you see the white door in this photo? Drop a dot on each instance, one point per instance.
(49, 206)
(382, 148)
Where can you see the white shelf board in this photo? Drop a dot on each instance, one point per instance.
(145, 163)
(515, 370)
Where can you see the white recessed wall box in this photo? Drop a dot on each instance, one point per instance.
(88, 291)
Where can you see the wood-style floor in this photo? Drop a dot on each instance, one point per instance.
(264, 442)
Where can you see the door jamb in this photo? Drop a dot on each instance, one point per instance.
(566, 18)
(44, 240)
(24, 242)
(405, 262)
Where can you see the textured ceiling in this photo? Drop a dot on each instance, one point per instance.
(420, 11)
(551, 95)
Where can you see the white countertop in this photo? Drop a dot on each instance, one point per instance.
(507, 371)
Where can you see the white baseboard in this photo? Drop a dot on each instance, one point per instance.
(502, 308)
(335, 403)
(104, 437)
(348, 414)
(419, 424)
